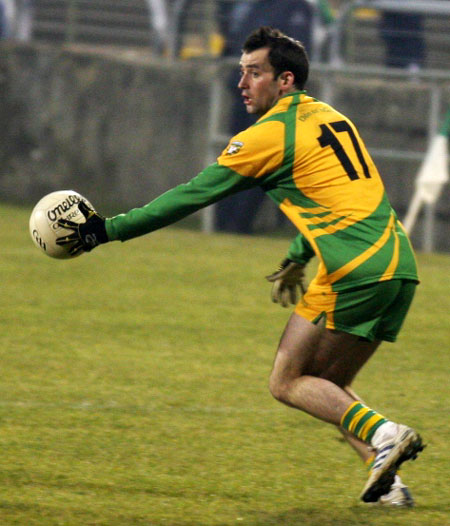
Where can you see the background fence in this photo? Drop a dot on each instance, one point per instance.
(189, 27)
(398, 111)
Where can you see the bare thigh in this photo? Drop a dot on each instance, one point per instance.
(313, 350)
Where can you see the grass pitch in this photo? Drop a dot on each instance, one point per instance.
(134, 391)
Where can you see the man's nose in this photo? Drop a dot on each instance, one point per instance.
(242, 82)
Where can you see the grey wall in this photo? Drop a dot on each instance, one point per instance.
(120, 131)
(123, 129)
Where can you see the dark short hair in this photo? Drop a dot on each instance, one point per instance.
(285, 53)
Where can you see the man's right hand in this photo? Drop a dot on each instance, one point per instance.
(84, 236)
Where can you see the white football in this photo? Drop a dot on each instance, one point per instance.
(44, 228)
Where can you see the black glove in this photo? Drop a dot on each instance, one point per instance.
(86, 236)
(286, 280)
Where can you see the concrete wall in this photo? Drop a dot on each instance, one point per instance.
(123, 129)
(119, 130)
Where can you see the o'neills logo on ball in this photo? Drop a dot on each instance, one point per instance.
(62, 207)
(68, 217)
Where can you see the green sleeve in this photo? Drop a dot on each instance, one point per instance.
(300, 250)
(209, 186)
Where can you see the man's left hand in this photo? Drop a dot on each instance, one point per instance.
(286, 281)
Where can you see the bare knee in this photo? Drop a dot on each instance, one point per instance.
(275, 387)
(280, 387)
(286, 372)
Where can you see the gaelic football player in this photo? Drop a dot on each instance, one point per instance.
(312, 162)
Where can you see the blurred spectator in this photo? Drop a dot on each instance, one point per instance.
(16, 19)
(159, 22)
(6, 18)
(403, 36)
(304, 20)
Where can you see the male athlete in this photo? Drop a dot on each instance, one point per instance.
(311, 161)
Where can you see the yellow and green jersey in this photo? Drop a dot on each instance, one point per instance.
(311, 161)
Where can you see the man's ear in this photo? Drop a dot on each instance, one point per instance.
(287, 79)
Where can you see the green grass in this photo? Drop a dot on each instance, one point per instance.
(134, 391)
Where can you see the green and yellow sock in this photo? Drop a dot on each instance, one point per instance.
(362, 421)
(370, 462)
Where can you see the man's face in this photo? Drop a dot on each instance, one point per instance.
(260, 90)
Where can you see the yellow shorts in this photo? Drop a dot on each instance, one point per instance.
(373, 312)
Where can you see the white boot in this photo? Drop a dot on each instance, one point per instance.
(395, 444)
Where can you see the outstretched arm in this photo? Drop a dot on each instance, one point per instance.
(209, 186)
